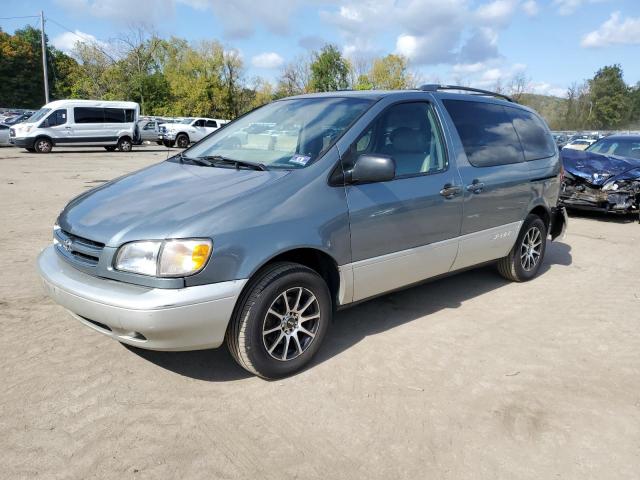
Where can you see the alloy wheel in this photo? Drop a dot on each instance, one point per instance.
(531, 248)
(291, 323)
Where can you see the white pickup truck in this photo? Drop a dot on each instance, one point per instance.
(187, 131)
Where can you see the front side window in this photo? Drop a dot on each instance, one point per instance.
(536, 141)
(486, 132)
(150, 126)
(211, 124)
(284, 134)
(59, 117)
(198, 123)
(408, 133)
(88, 115)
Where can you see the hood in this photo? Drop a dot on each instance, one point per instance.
(596, 168)
(155, 202)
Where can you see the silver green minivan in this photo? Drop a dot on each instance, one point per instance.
(256, 235)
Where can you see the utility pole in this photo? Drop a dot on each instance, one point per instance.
(44, 58)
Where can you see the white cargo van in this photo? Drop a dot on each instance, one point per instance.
(76, 123)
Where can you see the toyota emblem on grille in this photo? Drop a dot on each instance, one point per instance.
(67, 244)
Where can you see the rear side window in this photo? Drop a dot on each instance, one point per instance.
(114, 115)
(129, 115)
(88, 115)
(486, 132)
(536, 141)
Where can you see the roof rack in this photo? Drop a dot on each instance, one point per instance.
(433, 87)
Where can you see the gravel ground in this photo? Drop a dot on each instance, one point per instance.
(466, 377)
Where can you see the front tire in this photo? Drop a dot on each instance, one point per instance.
(43, 145)
(182, 140)
(280, 321)
(526, 256)
(125, 144)
(168, 143)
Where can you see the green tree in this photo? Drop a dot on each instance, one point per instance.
(610, 97)
(329, 70)
(390, 73)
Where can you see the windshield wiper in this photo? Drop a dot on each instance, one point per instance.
(216, 160)
(198, 161)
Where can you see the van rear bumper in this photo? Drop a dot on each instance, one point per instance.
(190, 318)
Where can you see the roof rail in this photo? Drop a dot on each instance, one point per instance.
(433, 87)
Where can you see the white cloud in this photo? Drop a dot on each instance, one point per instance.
(530, 7)
(498, 12)
(615, 31)
(543, 88)
(67, 40)
(267, 60)
(121, 11)
(568, 7)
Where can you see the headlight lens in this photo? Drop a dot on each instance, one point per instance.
(170, 258)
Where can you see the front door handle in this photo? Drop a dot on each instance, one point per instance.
(450, 191)
(475, 187)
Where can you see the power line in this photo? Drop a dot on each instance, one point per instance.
(25, 16)
(84, 39)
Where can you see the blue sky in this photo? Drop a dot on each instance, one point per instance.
(552, 42)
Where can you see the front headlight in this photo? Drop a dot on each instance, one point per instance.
(610, 186)
(169, 258)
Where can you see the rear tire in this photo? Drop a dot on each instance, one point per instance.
(43, 145)
(280, 320)
(526, 256)
(125, 144)
(110, 149)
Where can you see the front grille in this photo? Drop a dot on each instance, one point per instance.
(78, 249)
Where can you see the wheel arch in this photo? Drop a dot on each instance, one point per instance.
(543, 212)
(311, 257)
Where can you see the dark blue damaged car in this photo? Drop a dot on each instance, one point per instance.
(605, 177)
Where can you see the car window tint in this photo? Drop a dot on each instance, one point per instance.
(129, 115)
(114, 115)
(535, 139)
(211, 124)
(408, 133)
(486, 132)
(199, 123)
(88, 115)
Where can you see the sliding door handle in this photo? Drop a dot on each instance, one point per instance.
(475, 187)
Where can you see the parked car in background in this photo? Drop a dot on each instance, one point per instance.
(561, 139)
(4, 135)
(605, 177)
(578, 144)
(18, 119)
(76, 123)
(256, 244)
(149, 129)
(187, 130)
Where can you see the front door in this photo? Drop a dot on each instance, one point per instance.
(495, 176)
(57, 126)
(406, 229)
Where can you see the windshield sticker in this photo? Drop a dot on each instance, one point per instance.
(300, 159)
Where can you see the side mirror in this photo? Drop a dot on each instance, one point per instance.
(372, 168)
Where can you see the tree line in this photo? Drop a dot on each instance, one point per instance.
(173, 77)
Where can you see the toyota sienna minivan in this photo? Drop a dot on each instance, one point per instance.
(256, 235)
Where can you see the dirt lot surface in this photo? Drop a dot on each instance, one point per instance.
(467, 377)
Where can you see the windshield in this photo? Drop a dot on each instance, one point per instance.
(39, 115)
(186, 120)
(623, 147)
(284, 134)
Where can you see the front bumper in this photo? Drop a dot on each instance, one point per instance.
(166, 136)
(190, 318)
(22, 142)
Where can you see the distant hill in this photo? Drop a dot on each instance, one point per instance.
(551, 108)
